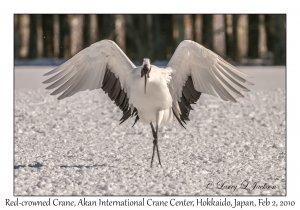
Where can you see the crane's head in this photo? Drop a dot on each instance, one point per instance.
(146, 68)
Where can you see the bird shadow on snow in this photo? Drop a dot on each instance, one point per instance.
(39, 165)
(36, 165)
(82, 166)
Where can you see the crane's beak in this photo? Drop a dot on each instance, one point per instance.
(145, 83)
(145, 73)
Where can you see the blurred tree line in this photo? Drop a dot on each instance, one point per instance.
(245, 39)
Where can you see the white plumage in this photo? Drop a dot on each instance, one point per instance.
(149, 93)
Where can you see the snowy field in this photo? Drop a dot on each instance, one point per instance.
(77, 147)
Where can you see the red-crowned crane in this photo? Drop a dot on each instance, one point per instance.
(149, 93)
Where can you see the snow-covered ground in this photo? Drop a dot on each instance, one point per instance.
(77, 147)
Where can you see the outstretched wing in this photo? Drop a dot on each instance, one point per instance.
(102, 65)
(195, 70)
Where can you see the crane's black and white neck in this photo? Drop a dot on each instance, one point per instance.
(145, 71)
(149, 93)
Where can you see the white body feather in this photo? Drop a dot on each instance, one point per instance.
(157, 98)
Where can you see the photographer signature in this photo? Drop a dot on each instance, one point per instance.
(246, 185)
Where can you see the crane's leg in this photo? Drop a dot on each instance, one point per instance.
(155, 144)
(159, 118)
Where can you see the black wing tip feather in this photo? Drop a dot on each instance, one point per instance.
(136, 119)
(112, 87)
(189, 96)
(180, 122)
